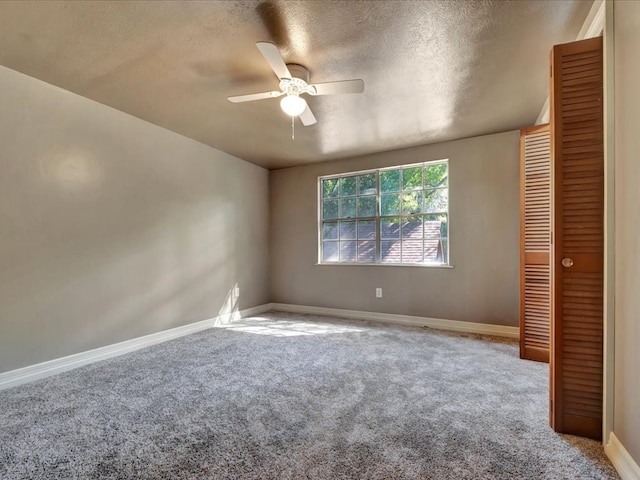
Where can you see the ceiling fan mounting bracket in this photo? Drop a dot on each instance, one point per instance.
(298, 71)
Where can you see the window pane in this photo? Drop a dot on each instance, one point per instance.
(412, 251)
(390, 227)
(435, 239)
(367, 206)
(367, 251)
(330, 231)
(412, 178)
(436, 175)
(329, 209)
(348, 230)
(444, 218)
(412, 202)
(390, 181)
(390, 251)
(330, 251)
(412, 228)
(347, 207)
(348, 251)
(366, 229)
(445, 250)
(367, 184)
(436, 200)
(390, 204)
(330, 188)
(348, 186)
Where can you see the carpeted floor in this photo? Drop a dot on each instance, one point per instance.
(285, 396)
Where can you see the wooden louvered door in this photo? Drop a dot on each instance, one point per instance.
(535, 242)
(578, 242)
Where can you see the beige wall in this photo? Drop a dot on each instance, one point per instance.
(112, 228)
(627, 221)
(482, 287)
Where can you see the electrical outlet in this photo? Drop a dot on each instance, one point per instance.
(236, 291)
(378, 293)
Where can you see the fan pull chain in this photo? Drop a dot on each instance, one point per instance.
(293, 129)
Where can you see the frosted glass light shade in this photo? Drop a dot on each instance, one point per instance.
(293, 105)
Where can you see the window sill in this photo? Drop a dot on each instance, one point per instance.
(411, 265)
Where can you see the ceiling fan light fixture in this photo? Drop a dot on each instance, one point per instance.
(293, 105)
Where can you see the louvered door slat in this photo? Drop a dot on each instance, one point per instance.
(535, 273)
(578, 204)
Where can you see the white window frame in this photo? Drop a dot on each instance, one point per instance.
(379, 217)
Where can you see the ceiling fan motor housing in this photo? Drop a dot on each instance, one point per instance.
(298, 71)
(299, 83)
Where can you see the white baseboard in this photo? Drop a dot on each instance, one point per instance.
(627, 467)
(452, 325)
(41, 370)
(250, 312)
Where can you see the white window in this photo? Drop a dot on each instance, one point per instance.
(396, 215)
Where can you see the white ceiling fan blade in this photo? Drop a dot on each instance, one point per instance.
(272, 55)
(336, 88)
(254, 96)
(307, 117)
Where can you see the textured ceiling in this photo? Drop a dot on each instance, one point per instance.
(433, 70)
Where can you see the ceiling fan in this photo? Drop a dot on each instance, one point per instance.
(294, 81)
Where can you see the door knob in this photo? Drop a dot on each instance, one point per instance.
(567, 262)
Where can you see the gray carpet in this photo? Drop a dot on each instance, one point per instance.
(286, 396)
